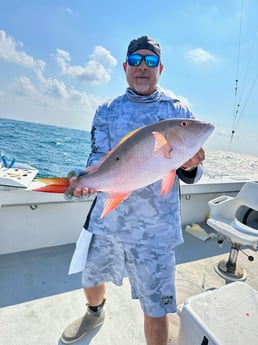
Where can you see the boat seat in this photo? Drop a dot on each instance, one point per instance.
(225, 217)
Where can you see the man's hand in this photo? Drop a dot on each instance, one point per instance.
(79, 191)
(195, 160)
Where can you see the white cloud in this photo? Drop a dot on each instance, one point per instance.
(68, 10)
(55, 88)
(96, 71)
(51, 103)
(183, 99)
(103, 56)
(36, 96)
(9, 52)
(199, 55)
(24, 87)
(53, 91)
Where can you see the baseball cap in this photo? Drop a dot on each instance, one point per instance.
(144, 42)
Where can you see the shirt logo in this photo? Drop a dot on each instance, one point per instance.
(167, 299)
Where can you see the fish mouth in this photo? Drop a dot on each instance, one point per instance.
(206, 132)
(203, 134)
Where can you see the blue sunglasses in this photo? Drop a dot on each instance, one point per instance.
(136, 60)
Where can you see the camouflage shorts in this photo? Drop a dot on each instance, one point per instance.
(151, 272)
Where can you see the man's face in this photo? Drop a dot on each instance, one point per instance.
(142, 79)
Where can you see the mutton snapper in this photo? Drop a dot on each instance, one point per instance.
(144, 156)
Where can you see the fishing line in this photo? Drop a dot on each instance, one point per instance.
(237, 100)
(236, 106)
(248, 62)
(245, 77)
(247, 99)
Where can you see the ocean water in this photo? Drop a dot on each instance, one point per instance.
(52, 150)
(56, 150)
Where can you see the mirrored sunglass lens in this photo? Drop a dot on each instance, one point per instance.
(134, 60)
(151, 60)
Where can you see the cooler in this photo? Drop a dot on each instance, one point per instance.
(224, 316)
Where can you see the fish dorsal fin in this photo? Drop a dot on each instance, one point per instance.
(95, 167)
(105, 157)
(167, 182)
(128, 135)
(162, 145)
(112, 201)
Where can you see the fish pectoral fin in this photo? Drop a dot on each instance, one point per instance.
(167, 182)
(112, 201)
(162, 145)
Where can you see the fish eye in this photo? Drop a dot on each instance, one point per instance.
(184, 123)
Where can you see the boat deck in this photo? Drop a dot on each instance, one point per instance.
(38, 299)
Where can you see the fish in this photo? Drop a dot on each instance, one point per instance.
(144, 156)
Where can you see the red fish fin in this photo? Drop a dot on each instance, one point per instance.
(167, 182)
(112, 201)
(96, 166)
(106, 156)
(52, 184)
(128, 135)
(162, 145)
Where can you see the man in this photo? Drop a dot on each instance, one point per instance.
(140, 235)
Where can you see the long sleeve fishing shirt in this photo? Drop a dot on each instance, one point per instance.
(144, 217)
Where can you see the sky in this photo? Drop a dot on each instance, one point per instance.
(60, 59)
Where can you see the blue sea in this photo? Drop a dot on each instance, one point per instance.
(54, 151)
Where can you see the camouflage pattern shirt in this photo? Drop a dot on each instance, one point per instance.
(144, 217)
